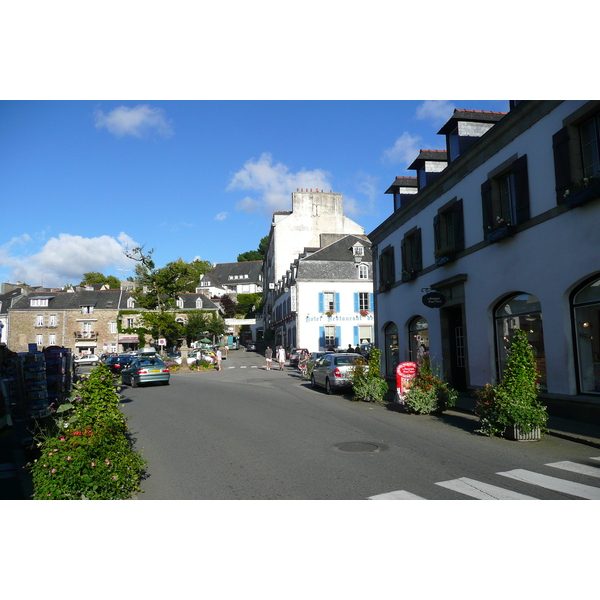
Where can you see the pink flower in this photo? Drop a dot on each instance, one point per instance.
(62, 439)
(107, 461)
(49, 453)
(68, 458)
(53, 470)
(114, 477)
(93, 465)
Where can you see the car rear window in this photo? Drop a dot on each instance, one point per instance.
(150, 361)
(350, 360)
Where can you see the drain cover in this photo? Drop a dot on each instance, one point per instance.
(358, 447)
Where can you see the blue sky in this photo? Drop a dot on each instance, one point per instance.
(81, 181)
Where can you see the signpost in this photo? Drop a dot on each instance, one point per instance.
(406, 372)
(434, 299)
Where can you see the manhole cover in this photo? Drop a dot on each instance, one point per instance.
(358, 447)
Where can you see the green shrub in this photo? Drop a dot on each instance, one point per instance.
(84, 451)
(514, 401)
(367, 383)
(429, 392)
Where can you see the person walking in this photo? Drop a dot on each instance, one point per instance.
(219, 358)
(281, 357)
(268, 357)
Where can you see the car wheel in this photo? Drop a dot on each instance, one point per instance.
(313, 383)
(328, 389)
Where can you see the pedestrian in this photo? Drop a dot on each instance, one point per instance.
(350, 349)
(219, 358)
(281, 357)
(357, 349)
(303, 362)
(268, 357)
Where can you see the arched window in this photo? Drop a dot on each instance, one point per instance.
(198, 302)
(130, 303)
(391, 349)
(520, 311)
(180, 302)
(586, 324)
(418, 342)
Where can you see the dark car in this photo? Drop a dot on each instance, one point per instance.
(146, 370)
(117, 363)
(250, 346)
(333, 370)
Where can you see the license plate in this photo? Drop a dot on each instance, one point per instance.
(155, 371)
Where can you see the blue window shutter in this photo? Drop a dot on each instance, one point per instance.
(338, 335)
(321, 302)
(337, 302)
(321, 337)
(355, 301)
(356, 335)
(371, 303)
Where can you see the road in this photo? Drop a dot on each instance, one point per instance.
(247, 433)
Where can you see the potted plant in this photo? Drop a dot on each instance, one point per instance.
(444, 255)
(584, 191)
(367, 383)
(500, 229)
(512, 408)
(429, 393)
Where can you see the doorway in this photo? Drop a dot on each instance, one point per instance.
(454, 342)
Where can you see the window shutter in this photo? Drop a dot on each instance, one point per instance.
(337, 302)
(562, 163)
(356, 306)
(321, 302)
(486, 203)
(521, 189)
(321, 337)
(355, 328)
(371, 303)
(459, 226)
(403, 251)
(418, 251)
(338, 335)
(437, 234)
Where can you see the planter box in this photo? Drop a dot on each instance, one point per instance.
(500, 233)
(442, 260)
(515, 433)
(583, 196)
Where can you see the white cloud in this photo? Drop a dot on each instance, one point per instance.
(221, 216)
(64, 259)
(274, 184)
(138, 121)
(436, 111)
(404, 151)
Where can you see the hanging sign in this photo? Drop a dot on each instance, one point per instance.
(406, 373)
(434, 299)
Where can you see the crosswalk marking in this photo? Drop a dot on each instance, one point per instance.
(553, 483)
(481, 491)
(572, 467)
(398, 495)
(595, 457)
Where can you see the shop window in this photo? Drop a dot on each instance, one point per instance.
(505, 200)
(418, 339)
(586, 325)
(521, 311)
(387, 269)
(391, 349)
(449, 231)
(412, 257)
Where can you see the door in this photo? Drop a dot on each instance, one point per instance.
(456, 343)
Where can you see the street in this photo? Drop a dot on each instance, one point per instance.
(250, 434)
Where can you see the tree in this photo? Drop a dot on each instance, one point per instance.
(258, 254)
(248, 304)
(97, 278)
(216, 326)
(196, 326)
(229, 305)
(162, 325)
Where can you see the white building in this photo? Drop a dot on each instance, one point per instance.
(326, 300)
(509, 234)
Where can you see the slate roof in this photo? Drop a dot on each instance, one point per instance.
(479, 116)
(252, 268)
(101, 299)
(439, 155)
(402, 182)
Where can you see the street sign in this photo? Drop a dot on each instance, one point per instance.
(162, 342)
(434, 299)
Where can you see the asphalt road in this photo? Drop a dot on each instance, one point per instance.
(247, 433)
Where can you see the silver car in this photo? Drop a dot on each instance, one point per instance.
(333, 370)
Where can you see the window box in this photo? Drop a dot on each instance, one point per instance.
(409, 275)
(588, 190)
(500, 232)
(444, 256)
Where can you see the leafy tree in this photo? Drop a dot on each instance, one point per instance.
(196, 326)
(257, 254)
(97, 278)
(230, 306)
(247, 304)
(216, 326)
(162, 325)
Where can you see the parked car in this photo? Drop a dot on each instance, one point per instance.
(193, 356)
(294, 354)
(86, 359)
(146, 370)
(250, 347)
(117, 363)
(333, 370)
(365, 349)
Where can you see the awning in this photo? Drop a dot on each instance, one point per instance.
(129, 340)
(85, 344)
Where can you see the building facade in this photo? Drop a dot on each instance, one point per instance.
(507, 237)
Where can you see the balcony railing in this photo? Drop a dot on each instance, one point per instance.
(85, 335)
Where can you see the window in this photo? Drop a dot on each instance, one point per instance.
(412, 261)
(39, 302)
(52, 339)
(87, 310)
(449, 234)
(505, 199)
(589, 136)
(521, 311)
(39, 321)
(358, 250)
(329, 302)
(52, 320)
(363, 301)
(363, 272)
(39, 339)
(112, 327)
(130, 303)
(330, 337)
(418, 343)
(180, 302)
(129, 323)
(387, 269)
(198, 302)
(586, 325)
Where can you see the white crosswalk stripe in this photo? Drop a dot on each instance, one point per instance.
(572, 467)
(485, 491)
(481, 491)
(554, 483)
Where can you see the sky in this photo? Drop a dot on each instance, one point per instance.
(82, 182)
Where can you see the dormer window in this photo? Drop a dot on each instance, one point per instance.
(198, 302)
(87, 310)
(358, 250)
(130, 303)
(39, 302)
(180, 302)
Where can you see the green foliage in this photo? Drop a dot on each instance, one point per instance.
(248, 304)
(429, 392)
(216, 326)
(367, 383)
(196, 326)
(86, 454)
(161, 325)
(514, 401)
(97, 278)
(229, 306)
(258, 254)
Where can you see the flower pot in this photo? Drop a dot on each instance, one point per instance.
(515, 433)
